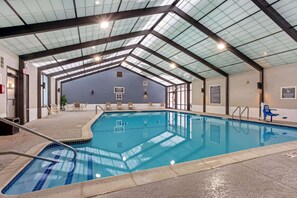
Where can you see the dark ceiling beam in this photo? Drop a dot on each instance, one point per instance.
(170, 61)
(159, 68)
(277, 18)
(82, 58)
(103, 70)
(84, 66)
(217, 38)
(84, 72)
(149, 72)
(22, 30)
(189, 53)
(78, 46)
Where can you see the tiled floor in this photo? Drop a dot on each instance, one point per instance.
(65, 125)
(269, 176)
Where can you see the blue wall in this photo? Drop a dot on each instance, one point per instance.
(103, 83)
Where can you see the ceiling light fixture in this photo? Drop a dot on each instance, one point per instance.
(93, 47)
(97, 2)
(104, 24)
(221, 46)
(97, 58)
(172, 65)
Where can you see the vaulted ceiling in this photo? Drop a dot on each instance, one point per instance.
(168, 41)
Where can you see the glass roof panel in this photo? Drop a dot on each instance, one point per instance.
(276, 43)
(288, 10)
(42, 61)
(94, 49)
(172, 25)
(257, 26)
(123, 26)
(224, 58)
(68, 66)
(284, 58)
(94, 7)
(38, 11)
(59, 38)
(146, 22)
(22, 44)
(68, 55)
(155, 71)
(209, 74)
(196, 67)
(93, 32)
(7, 17)
(237, 68)
(198, 8)
(56, 69)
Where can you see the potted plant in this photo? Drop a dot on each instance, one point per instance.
(63, 102)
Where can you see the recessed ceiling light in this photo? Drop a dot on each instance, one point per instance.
(265, 53)
(97, 58)
(97, 2)
(104, 24)
(221, 46)
(172, 65)
(123, 62)
(93, 47)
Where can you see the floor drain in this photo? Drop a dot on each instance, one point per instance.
(292, 155)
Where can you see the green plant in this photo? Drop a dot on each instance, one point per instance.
(63, 101)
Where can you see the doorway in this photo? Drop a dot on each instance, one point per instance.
(11, 90)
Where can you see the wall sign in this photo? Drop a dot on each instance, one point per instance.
(288, 92)
(119, 96)
(215, 94)
(120, 90)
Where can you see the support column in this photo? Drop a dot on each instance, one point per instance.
(56, 91)
(49, 91)
(227, 95)
(20, 92)
(261, 90)
(188, 97)
(204, 96)
(38, 94)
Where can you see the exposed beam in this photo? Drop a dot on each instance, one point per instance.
(217, 38)
(83, 72)
(159, 68)
(277, 18)
(86, 75)
(90, 56)
(149, 72)
(189, 53)
(69, 48)
(170, 61)
(22, 30)
(87, 65)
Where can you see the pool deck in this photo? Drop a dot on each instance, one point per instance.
(258, 172)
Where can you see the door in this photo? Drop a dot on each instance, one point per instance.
(11, 95)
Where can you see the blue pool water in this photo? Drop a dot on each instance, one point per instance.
(128, 142)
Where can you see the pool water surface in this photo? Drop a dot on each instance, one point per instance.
(133, 141)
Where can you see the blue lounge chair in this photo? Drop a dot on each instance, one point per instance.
(267, 112)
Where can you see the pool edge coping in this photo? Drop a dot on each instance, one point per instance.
(125, 181)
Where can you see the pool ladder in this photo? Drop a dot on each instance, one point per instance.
(240, 112)
(96, 109)
(40, 135)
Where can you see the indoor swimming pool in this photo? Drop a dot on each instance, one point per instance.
(125, 142)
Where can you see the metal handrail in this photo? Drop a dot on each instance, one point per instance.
(40, 135)
(96, 109)
(29, 156)
(238, 107)
(248, 112)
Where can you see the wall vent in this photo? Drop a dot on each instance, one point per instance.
(1, 62)
(119, 74)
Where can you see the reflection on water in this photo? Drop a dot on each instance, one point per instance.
(128, 142)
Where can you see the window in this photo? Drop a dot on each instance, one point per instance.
(177, 97)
